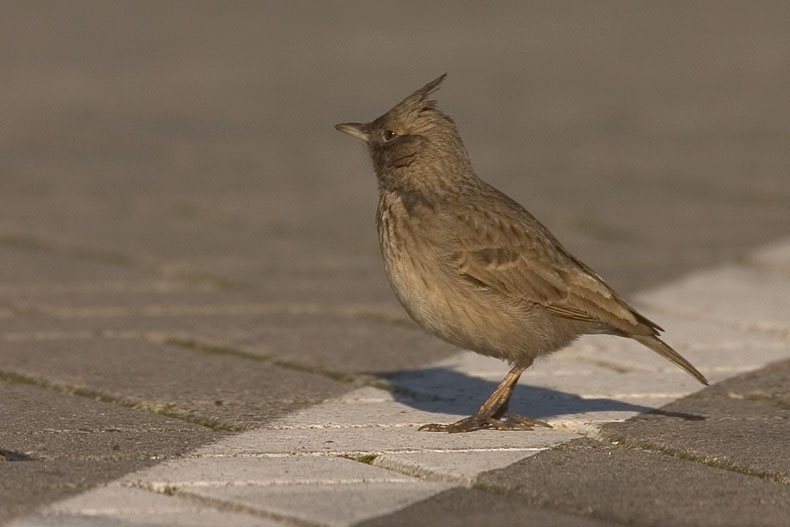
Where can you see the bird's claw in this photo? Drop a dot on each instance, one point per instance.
(507, 421)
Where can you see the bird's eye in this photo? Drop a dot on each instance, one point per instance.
(389, 135)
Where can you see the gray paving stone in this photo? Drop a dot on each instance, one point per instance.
(47, 425)
(470, 507)
(28, 485)
(212, 389)
(349, 344)
(64, 445)
(769, 385)
(341, 338)
(26, 264)
(191, 312)
(742, 424)
(636, 487)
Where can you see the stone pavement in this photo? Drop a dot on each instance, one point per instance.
(359, 456)
(192, 305)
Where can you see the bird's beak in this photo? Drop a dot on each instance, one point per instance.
(358, 130)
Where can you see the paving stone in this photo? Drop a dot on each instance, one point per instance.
(333, 490)
(775, 257)
(217, 319)
(47, 425)
(327, 338)
(635, 487)
(769, 385)
(28, 485)
(762, 303)
(470, 507)
(326, 504)
(460, 467)
(350, 344)
(124, 506)
(261, 472)
(338, 440)
(54, 446)
(212, 389)
(713, 347)
(736, 429)
(25, 265)
(73, 282)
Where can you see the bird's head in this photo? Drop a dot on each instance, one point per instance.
(412, 135)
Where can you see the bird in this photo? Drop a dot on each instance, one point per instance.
(473, 267)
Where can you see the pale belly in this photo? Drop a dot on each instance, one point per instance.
(443, 303)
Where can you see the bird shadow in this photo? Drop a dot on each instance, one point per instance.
(445, 391)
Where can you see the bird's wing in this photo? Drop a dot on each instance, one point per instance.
(510, 253)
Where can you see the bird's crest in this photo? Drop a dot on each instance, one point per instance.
(419, 98)
(417, 113)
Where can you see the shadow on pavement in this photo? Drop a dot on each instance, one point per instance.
(443, 390)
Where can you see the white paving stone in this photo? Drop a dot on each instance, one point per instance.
(116, 505)
(741, 296)
(327, 504)
(775, 257)
(246, 471)
(317, 442)
(459, 467)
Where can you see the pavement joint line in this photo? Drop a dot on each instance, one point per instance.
(734, 369)
(633, 395)
(423, 473)
(727, 346)
(108, 429)
(340, 427)
(225, 506)
(25, 241)
(221, 349)
(379, 311)
(180, 490)
(14, 456)
(184, 340)
(12, 310)
(153, 407)
(162, 486)
(13, 238)
(356, 453)
(163, 286)
(157, 336)
(761, 398)
(710, 461)
(619, 368)
(253, 511)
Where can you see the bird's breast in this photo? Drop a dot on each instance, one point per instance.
(431, 291)
(411, 256)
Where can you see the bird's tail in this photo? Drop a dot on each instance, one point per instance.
(663, 349)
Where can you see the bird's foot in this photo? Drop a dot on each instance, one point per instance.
(507, 421)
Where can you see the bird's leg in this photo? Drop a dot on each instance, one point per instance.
(493, 413)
